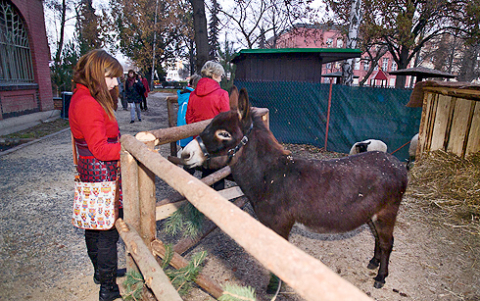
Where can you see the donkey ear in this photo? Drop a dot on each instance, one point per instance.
(243, 105)
(233, 98)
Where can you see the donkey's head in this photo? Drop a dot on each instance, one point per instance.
(222, 138)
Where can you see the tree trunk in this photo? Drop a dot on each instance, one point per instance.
(402, 64)
(201, 34)
(58, 56)
(191, 58)
(355, 20)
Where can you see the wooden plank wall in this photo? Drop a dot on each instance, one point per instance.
(449, 123)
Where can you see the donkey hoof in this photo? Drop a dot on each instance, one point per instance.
(378, 284)
(373, 264)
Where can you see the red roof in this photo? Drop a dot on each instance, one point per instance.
(381, 75)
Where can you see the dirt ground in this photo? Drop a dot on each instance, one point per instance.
(42, 257)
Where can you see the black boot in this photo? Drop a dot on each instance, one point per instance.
(108, 287)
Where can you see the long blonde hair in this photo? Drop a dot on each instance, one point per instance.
(91, 70)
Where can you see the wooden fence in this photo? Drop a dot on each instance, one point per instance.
(141, 163)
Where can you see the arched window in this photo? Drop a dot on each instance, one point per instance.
(15, 58)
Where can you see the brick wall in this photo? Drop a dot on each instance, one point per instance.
(20, 100)
(32, 13)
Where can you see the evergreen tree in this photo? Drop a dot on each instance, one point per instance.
(225, 56)
(87, 27)
(214, 31)
(136, 28)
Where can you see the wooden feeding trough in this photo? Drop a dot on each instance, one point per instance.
(450, 117)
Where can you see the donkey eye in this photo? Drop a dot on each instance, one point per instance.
(223, 135)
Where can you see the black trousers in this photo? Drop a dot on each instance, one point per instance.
(143, 104)
(102, 249)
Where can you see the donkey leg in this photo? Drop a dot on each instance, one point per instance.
(384, 227)
(282, 229)
(375, 261)
(386, 246)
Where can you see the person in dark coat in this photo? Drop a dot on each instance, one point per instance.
(134, 90)
(121, 93)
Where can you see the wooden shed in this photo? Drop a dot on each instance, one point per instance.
(450, 117)
(287, 64)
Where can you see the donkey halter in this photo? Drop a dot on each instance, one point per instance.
(230, 153)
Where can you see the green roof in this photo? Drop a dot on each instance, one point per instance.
(300, 50)
(327, 54)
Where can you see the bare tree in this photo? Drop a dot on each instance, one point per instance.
(375, 53)
(61, 8)
(252, 20)
(405, 26)
(469, 67)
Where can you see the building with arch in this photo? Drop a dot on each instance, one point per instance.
(25, 84)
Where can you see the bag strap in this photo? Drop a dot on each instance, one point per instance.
(75, 157)
(74, 151)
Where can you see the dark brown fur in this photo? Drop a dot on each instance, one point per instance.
(336, 195)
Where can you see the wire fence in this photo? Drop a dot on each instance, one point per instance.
(299, 113)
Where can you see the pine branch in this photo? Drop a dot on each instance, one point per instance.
(183, 278)
(168, 256)
(187, 219)
(134, 284)
(233, 292)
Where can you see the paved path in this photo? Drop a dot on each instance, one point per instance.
(42, 256)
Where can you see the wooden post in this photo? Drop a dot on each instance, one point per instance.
(153, 274)
(308, 276)
(131, 211)
(147, 199)
(172, 118)
(179, 262)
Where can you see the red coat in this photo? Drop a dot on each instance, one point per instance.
(147, 88)
(89, 121)
(206, 101)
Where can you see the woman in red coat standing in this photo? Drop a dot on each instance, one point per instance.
(143, 104)
(95, 129)
(207, 101)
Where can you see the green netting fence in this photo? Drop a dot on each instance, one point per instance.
(298, 114)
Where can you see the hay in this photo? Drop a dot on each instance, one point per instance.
(448, 182)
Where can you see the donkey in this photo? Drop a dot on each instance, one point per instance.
(330, 196)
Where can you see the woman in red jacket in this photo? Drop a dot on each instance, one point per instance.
(95, 129)
(207, 101)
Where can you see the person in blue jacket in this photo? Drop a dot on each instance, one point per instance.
(183, 96)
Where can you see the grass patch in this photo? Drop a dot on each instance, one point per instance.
(40, 130)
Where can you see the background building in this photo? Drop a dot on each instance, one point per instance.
(325, 36)
(25, 84)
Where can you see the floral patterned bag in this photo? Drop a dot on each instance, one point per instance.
(95, 203)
